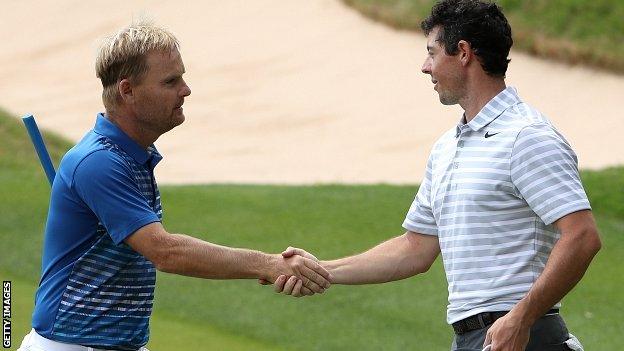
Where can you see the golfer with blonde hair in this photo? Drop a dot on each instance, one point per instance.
(104, 239)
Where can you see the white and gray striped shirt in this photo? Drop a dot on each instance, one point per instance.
(492, 189)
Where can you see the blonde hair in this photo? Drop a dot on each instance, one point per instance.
(124, 56)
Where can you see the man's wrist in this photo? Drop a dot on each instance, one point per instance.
(265, 266)
(524, 314)
(333, 268)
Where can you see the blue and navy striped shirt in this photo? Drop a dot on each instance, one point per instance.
(95, 290)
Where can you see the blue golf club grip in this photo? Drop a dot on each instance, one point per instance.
(42, 152)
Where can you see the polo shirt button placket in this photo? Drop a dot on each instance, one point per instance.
(454, 186)
(460, 144)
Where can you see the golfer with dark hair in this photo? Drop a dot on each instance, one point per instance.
(501, 199)
(104, 239)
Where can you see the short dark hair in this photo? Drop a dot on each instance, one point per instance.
(480, 23)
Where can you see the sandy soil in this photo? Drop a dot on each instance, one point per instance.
(297, 91)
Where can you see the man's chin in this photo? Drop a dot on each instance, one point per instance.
(175, 121)
(447, 100)
(178, 119)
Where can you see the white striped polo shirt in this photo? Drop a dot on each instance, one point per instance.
(492, 189)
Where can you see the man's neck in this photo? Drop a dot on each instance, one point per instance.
(479, 94)
(140, 135)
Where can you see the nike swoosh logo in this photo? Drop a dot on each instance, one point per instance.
(487, 134)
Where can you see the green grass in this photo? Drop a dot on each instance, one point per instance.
(330, 221)
(196, 335)
(573, 31)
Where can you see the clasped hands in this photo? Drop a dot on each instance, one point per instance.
(307, 278)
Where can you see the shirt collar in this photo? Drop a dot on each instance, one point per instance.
(105, 127)
(491, 110)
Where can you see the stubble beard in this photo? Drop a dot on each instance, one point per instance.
(448, 99)
(159, 125)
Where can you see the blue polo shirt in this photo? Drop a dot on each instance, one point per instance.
(94, 289)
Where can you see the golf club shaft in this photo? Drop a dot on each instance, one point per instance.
(42, 152)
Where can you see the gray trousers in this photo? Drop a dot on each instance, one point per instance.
(549, 333)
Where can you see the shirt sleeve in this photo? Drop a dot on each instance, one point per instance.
(544, 171)
(420, 217)
(105, 183)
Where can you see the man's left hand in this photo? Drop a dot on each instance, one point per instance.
(507, 334)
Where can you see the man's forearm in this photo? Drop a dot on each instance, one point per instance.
(185, 255)
(398, 258)
(193, 257)
(566, 266)
(369, 268)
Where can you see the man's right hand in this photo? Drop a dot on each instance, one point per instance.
(298, 273)
(292, 285)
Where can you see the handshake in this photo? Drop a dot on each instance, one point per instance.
(304, 277)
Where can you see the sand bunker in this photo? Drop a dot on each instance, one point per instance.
(296, 92)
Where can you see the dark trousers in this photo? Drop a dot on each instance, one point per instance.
(549, 333)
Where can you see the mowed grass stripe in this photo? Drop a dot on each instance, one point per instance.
(330, 221)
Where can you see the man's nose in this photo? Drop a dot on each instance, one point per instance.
(186, 91)
(426, 67)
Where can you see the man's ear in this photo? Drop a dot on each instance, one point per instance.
(465, 52)
(126, 91)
